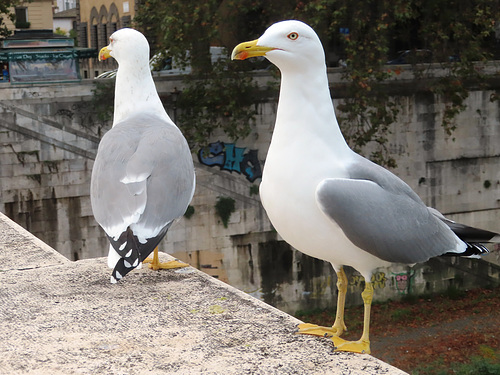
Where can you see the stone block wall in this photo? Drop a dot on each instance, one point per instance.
(49, 137)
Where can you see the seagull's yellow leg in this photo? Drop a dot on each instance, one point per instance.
(156, 265)
(363, 344)
(338, 326)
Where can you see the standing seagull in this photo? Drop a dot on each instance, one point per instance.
(343, 209)
(143, 177)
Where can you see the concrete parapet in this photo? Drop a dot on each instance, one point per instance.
(63, 317)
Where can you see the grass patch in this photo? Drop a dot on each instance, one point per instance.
(487, 363)
(471, 347)
(454, 293)
(400, 315)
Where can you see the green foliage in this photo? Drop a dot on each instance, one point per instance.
(5, 13)
(189, 212)
(23, 25)
(60, 31)
(73, 34)
(103, 99)
(183, 28)
(400, 315)
(487, 363)
(224, 207)
(216, 95)
(222, 99)
(463, 31)
(366, 113)
(254, 190)
(459, 33)
(186, 28)
(454, 293)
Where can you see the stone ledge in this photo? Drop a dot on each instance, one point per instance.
(62, 317)
(19, 249)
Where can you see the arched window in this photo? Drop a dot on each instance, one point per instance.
(114, 18)
(103, 27)
(94, 30)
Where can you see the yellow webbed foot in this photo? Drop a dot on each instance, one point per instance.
(165, 265)
(315, 330)
(156, 265)
(360, 346)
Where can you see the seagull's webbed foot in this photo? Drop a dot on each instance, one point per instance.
(360, 346)
(363, 344)
(315, 330)
(156, 265)
(167, 265)
(338, 326)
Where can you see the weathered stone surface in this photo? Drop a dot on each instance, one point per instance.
(62, 317)
(20, 250)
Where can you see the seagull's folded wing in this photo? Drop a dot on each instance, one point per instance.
(144, 179)
(381, 215)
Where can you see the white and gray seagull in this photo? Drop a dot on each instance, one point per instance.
(343, 208)
(143, 177)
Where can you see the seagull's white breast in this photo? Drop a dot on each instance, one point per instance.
(288, 192)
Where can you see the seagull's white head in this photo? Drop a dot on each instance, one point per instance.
(126, 45)
(287, 44)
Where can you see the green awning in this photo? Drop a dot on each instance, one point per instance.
(46, 54)
(86, 53)
(41, 55)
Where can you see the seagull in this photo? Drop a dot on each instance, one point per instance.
(343, 208)
(143, 176)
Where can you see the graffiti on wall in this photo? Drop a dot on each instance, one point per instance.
(230, 158)
(378, 280)
(403, 281)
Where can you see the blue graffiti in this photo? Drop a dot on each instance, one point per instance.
(231, 158)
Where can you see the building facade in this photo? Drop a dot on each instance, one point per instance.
(65, 22)
(33, 53)
(62, 5)
(36, 14)
(97, 20)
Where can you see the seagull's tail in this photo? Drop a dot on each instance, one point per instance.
(474, 238)
(132, 252)
(473, 250)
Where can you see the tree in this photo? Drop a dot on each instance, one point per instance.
(363, 33)
(186, 29)
(217, 94)
(458, 33)
(6, 7)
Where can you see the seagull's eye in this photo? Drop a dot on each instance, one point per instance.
(292, 36)
(111, 40)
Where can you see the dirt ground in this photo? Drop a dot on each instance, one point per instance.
(436, 330)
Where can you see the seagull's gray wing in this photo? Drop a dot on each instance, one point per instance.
(382, 215)
(143, 175)
(114, 206)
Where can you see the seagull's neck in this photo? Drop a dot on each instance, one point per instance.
(135, 91)
(305, 111)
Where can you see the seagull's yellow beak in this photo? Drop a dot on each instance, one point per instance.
(104, 54)
(249, 49)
